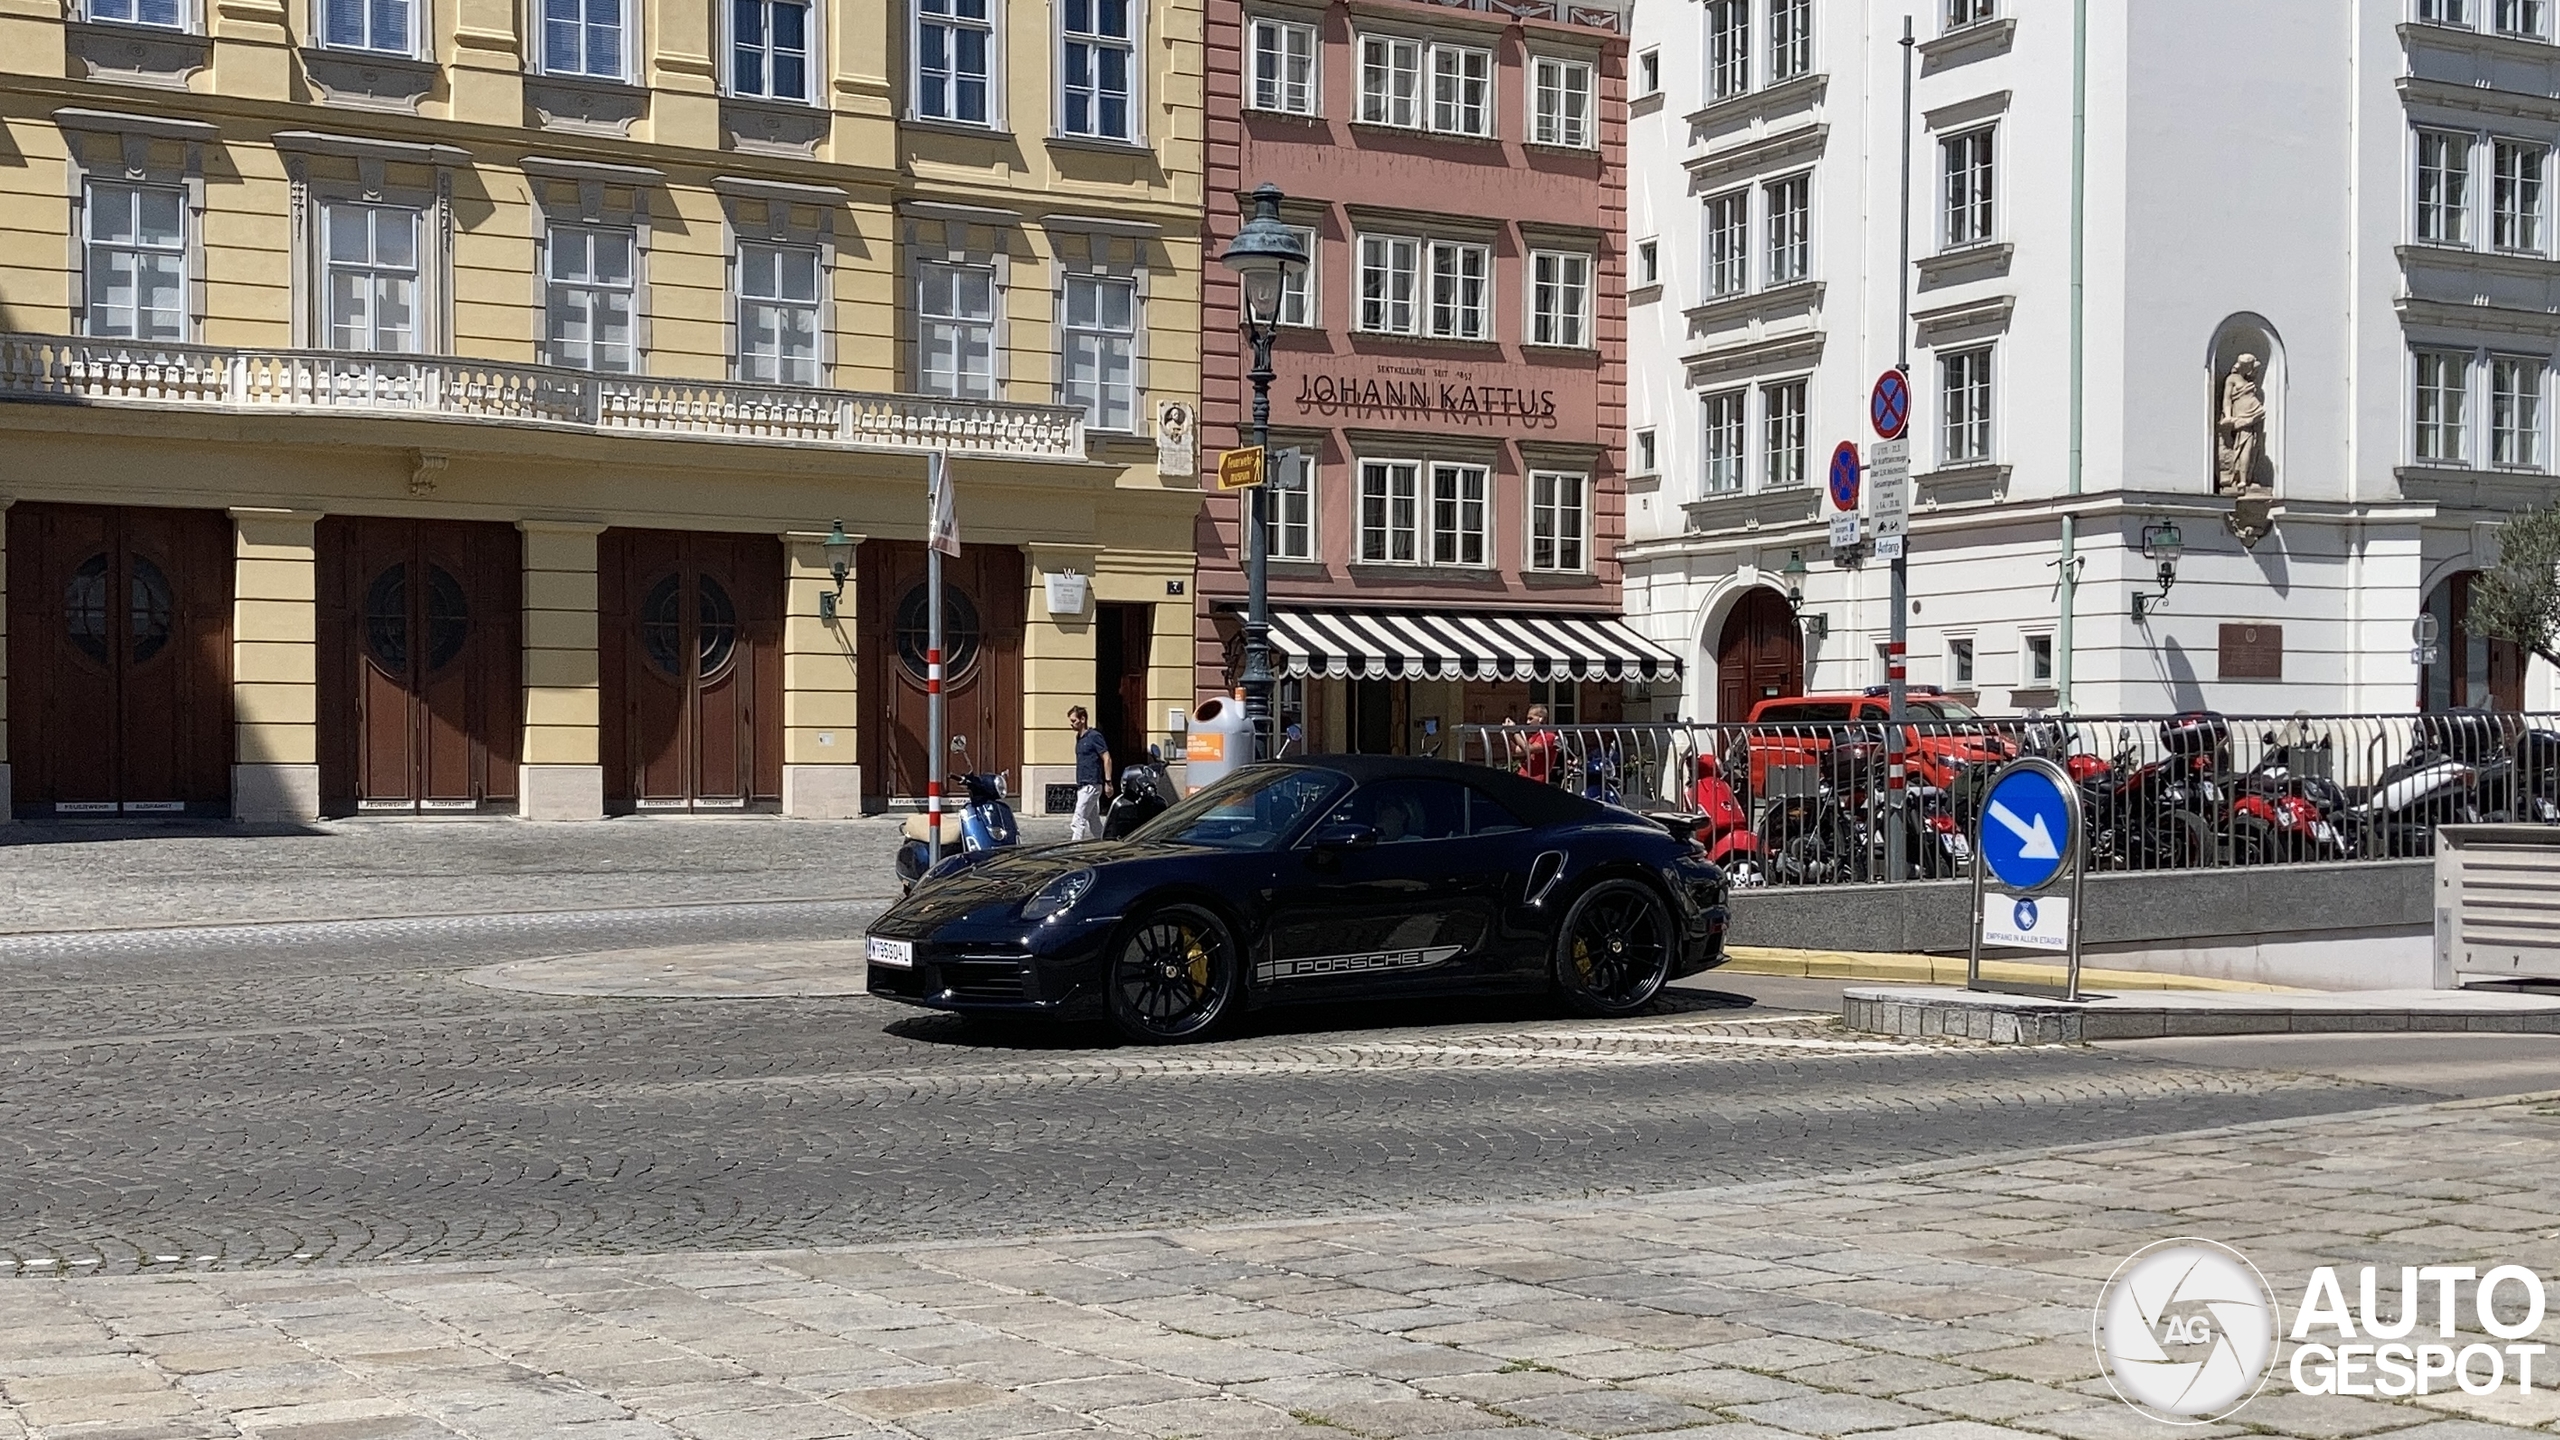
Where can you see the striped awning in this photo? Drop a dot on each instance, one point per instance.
(1424, 645)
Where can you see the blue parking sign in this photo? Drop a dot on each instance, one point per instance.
(2030, 825)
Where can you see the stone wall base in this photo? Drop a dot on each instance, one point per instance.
(275, 794)
(822, 792)
(560, 792)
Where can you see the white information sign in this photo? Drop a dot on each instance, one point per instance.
(1844, 531)
(2029, 922)
(1889, 487)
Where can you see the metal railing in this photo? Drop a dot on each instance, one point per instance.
(69, 369)
(1807, 803)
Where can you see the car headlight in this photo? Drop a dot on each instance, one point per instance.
(1058, 896)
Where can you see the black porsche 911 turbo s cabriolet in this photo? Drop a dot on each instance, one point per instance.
(1315, 879)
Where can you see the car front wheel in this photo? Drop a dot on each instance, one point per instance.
(1613, 954)
(1173, 975)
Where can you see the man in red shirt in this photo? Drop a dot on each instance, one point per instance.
(1540, 762)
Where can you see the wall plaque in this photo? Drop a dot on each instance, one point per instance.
(2252, 652)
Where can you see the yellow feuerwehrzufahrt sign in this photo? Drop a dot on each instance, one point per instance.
(1240, 469)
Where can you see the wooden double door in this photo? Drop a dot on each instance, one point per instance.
(119, 660)
(690, 639)
(420, 664)
(1760, 655)
(982, 616)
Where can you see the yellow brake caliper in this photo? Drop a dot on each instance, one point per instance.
(1196, 959)
(1582, 957)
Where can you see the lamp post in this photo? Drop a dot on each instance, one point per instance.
(2161, 543)
(839, 548)
(1263, 255)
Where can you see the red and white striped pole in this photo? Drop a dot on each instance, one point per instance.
(938, 476)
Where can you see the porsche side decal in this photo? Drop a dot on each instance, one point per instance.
(1308, 967)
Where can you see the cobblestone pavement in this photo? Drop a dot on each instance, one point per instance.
(1946, 1301)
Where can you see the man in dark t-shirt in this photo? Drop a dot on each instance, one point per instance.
(1093, 771)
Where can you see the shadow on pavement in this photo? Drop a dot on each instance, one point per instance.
(78, 832)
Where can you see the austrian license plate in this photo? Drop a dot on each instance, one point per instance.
(2324, 832)
(1955, 844)
(900, 954)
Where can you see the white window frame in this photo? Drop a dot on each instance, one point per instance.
(1790, 40)
(2442, 12)
(1962, 661)
(2523, 19)
(1648, 263)
(1560, 298)
(2035, 672)
(1648, 452)
(1133, 131)
(1561, 114)
(784, 369)
(1969, 187)
(1560, 520)
(2440, 413)
(1725, 249)
(1786, 433)
(1385, 484)
(1461, 98)
(553, 287)
(1301, 294)
(954, 24)
(1101, 334)
(1723, 432)
(1960, 14)
(1968, 405)
(625, 30)
(1295, 41)
(2516, 412)
(188, 20)
(1461, 514)
(1728, 52)
(1648, 72)
(940, 281)
(1395, 261)
(412, 44)
(422, 328)
(129, 193)
(1786, 206)
(812, 56)
(2440, 186)
(1391, 89)
(1465, 314)
(1290, 532)
(2519, 171)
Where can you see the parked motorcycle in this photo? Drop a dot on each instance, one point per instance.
(1145, 791)
(983, 824)
(2437, 783)
(1724, 826)
(1837, 832)
(2288, 807)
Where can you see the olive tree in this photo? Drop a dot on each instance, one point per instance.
(2519, 598)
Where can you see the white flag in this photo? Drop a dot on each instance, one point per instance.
(942, 532)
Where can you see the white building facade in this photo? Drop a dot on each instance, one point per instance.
(2357, 192)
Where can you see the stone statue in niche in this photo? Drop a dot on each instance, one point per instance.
(2241, 467)
(1177, 441)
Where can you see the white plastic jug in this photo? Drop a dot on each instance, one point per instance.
(1220, 743)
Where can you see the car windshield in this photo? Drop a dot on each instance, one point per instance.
(1255, 809)
(1944, 710)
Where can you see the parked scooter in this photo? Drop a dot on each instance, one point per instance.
(1145, 792)
(2437, 783)
(1724, 826)
(983, 824)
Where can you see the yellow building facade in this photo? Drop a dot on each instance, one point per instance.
(445, 404)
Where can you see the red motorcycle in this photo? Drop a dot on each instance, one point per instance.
(1724, 826)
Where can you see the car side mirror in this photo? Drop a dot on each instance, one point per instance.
(1346, 837)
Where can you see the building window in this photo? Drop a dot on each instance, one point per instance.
(1559, 520)
(1101, 350)
(2445, 12)
(1728, 229)
(1290, 532)
(1782, 434)
(2037, 668)
(2444, 188)
(136, 262)
(953, 40)
(1389, 265)
(1460, 281)
(1390, 81)
(769, 49)
(1390, 511)
(1648, 263)
(1790, 39)
(1095, 55)
(2522, 18)
(591, 292)
(1461, 90)
(383, 25)
(1559, 298)
(165, 14)
(1457, 514)
(956, 330)
(1966, 163)
(1646, 460)
(1964, 396)
(1728, 48)
(583, 37)
(1563, 104)
(372, 295)
(1298, 284)
(1790, 221)
(777, 313)
(2515, 195)
(1649, 73)
(2515, 412)
(2443, 392)
(1960, 662)
(1562, 698)
(1961, 13)
(1721, 443)
(1284, 67)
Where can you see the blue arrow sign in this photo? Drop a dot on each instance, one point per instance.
(2027, 827)
(1844, 476)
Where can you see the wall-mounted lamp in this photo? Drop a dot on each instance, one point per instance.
(839, 547)
(1816, 625)
(2161, 543)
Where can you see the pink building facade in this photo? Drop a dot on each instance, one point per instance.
(1451, 371)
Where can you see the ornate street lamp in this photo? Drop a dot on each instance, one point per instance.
(1264, 254)
(1817, 625)
(2164, 544)
(839, 548)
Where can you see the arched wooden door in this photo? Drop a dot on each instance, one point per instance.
(420, 659)
(1760, 655)
(2470, 668)
(983, 604)
(690, 634)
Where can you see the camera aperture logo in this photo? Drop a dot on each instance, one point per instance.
(2185, 1330)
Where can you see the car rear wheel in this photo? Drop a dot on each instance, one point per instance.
(1173, 975)
(1613, 954)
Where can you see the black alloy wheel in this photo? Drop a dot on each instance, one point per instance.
(1613, 954)
(1173, 975)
